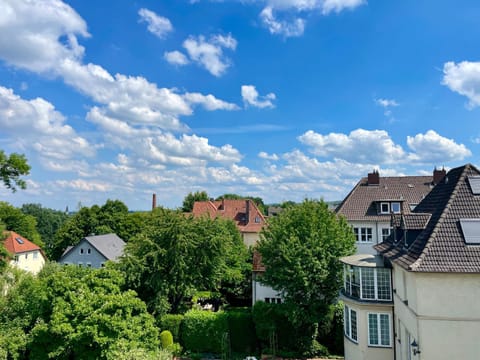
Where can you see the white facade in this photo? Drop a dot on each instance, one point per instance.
(262, 292)
(370, 233)
(31, 261)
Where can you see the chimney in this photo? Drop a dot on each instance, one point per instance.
(223, 204)
(374, 178)
(438, 175)
(154, 201)
(247, 215)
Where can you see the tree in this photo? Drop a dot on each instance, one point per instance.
(15, 220)
(300, 249)
(49, 221)
(177, 255)
(11, 168)
(190, 199)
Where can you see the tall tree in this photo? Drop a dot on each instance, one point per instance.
(177, 255)
(190, 199)
(300, 249)
(49, 221)
(11, 168)
(15, 220)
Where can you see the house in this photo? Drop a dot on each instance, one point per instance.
(25, 254)
(94, 251)
(367, 291)
(249, 221)
(245, 213)
(434, 255)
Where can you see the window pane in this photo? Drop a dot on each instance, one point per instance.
(372, 329)
(385, 233)
(368, 284)
(396, 207)
(346, 314)
(353, 319)
(383, 284)
(385, 329)
(357, 233)
(356, 282)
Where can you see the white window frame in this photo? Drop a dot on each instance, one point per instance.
(35, 255)
(362, 232)
(379, 332)
(385, 236)
(347, 283)
(347, 328)
(399, 207)
(381, 208)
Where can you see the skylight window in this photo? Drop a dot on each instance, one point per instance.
(471, 231)
(474, 182)
(19, 240)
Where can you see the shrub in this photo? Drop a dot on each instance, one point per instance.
(204, 331)
(242, 330)
(166, 339)
(172, 323)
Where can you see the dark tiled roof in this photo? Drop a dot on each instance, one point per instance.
(440, 246)
(411, 221)
(361, 203)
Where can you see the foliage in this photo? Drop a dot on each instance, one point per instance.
(190, 199)
(49, 221)
(11, 168)
(176, 255)
(203, 331)
(300, 249)
(126, 353)
(15, 220)
(166, 339)
(71, 312)
(334, 338)
(172, 323)
(242, 330)
(4, 255)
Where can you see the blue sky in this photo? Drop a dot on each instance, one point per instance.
(282, 99)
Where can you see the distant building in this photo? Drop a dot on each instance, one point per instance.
(25, 254)
(93, 251)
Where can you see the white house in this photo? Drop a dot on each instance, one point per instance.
(25, 254)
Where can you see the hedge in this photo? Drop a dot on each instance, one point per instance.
(204, 331)
(172, 323)
(242, 331)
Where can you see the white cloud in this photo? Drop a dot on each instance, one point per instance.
(266, 156)
(374, 146)
(175, 58)
(84, 185)
(431, 147)
(337, 6)
(35, 124)
(293, 28)
(158, 25)
(386, 103)
(463, 78)
(209, 102)
(250, 97)
(209, 53)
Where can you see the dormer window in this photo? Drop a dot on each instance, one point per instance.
(384, 208)
(257, 219)
(396, 207)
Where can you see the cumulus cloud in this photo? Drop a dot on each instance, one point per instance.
(158, 25)
(464, 79)
(292, 28)
(432, 147)
(176, 58)
(209, 102)
(251, 97)
(267, 156)
(35, 124)
(386, 103)
(209, 53)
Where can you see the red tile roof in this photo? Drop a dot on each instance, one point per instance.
(21, 245)
(245, 214)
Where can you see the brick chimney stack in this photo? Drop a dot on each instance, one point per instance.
(154, 201)
(438, 175)
(374, 178)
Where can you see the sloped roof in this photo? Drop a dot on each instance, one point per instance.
(22, 246)
(360, 203)
(235, 210)
(109, 245)
(411, 221)
(440, 246)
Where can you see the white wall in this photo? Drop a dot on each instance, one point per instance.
(367, 248)
(250, 239)
(32, 261)
(260, 291)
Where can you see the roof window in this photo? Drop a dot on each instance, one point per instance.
(474, 182)
(471, 231)
(19, 240)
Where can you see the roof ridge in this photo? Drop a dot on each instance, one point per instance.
(339, 207)
(440, 220)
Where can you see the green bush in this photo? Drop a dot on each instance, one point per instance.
(242, 330)
(166, 339)
(204, 331)
(172, 323)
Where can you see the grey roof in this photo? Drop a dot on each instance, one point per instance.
(441, 246)
(360, 204)
(363, 260)
(411, 221)
(109, 245)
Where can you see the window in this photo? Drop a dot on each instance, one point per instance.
(89, 264)
(396, 207)
(257, 219)
(384, 208)
(16, 258)
(26, 256)
(363, 234)
(350, 323)
(379, 330)
(80, 263)
(273, 300)
(35, 255)
(19, 240)
(413, 206)
(81, 251)
(386, 233)
(89, 251)
(367, 283)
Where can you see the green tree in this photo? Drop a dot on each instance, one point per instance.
(49, 221)
(176, 255)
(15, 220)
(11, 168)
(300, 249)
(190, 199)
